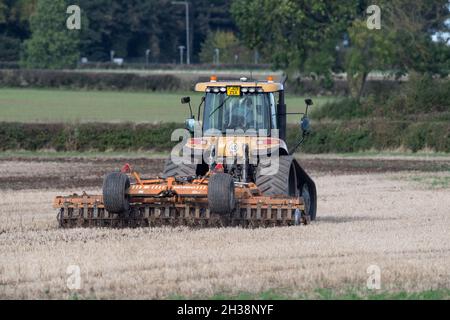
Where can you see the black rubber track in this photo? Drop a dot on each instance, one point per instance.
(115, 186)
(303, 179)
(221, 197)
(277, 184)
(174, 170)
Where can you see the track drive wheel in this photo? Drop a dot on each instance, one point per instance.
(115, 187)
(221, 197)
(290, 180)
(306, 195)
(283, 182)
(178, 170)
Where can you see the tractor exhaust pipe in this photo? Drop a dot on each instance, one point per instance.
(282, 116)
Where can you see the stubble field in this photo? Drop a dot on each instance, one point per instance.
(395, 215)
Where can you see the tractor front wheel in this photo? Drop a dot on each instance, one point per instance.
(178, 170)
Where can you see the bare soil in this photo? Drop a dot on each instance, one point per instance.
(45, 173)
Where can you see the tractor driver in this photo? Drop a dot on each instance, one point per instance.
(241, 111)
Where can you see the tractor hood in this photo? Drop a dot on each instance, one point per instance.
(234, 146)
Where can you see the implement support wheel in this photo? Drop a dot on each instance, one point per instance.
(221, 197)
(115, 197)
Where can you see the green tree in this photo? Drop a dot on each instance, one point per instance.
(51, 45)
(131, 27)
(231, 50)
(308, 36)
(414, 23)
(14, 27)
(293, 34)
(3, 8)
(403, 44)
(369, 50)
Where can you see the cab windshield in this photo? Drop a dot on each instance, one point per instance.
(247, 111)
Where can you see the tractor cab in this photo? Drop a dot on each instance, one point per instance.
(236, 107)
(244, 115)
(244, 106)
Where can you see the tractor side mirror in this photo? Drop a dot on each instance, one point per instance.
(309, 103)
(185, 100)
(305, 126)
(190, 124)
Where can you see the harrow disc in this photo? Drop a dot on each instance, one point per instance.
(89, 211)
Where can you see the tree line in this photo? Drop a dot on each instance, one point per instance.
(128, 28)
(313, 37)
(319, 37)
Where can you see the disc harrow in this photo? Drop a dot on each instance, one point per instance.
(177, 201)
(89, 211)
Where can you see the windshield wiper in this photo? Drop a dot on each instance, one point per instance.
(220, 106)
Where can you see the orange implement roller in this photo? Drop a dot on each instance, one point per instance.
(177, 201)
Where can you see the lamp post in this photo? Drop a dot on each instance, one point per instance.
(188, 52)
(217, 55)
(147, 56)
(181, 53)
(256, 57)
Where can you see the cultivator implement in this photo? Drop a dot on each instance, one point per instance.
(230, 189)
(180, 201)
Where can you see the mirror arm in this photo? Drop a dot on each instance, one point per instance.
(291, 152)
(304, 135)
(305, 129)
(190, 109)
(306, 111)
(282, 114)
(199, 106)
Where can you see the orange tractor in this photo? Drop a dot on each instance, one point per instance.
(234, 168)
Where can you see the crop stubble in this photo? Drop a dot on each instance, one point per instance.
(385, 219)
